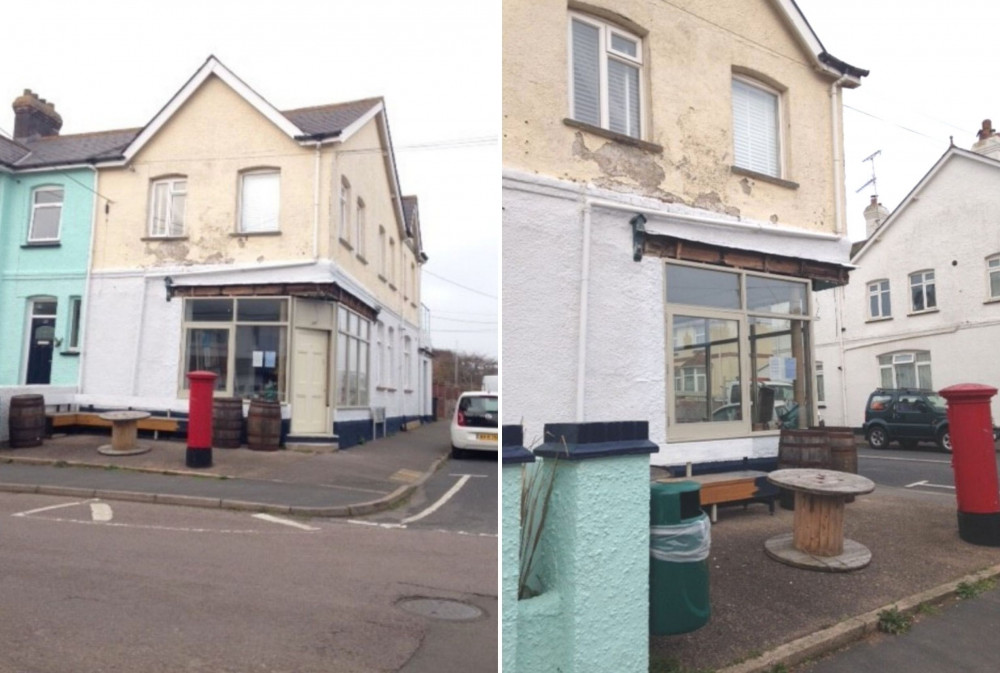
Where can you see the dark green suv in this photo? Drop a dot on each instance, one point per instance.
(908, 416)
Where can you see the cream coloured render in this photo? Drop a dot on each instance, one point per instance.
(691, 50)
(214, 137)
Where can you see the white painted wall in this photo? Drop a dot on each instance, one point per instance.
(625, 351)
(951, 225)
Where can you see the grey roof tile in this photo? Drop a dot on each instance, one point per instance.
(330, 119)
(10, 151)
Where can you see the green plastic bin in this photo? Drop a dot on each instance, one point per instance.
(680, 540)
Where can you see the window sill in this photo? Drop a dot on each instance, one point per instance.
(392, 287)
(992, 300)
(163, 238)
(879, 319)
(361, 258)
(70, 354)
(764, 177)
(382, 278)
(246, 234)
(413, 304)
(924, 312)
(380, 388)
(390, 390)
(612, 135)
(42, 244)
(347, 244)
(408, 390)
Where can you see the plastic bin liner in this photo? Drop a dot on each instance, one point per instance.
(681, 543)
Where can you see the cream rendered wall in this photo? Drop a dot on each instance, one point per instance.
(688, 71)
(951, 227)
(210, 139)
(361, 162)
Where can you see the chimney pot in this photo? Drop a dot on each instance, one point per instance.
(34, 116)
(986, 131)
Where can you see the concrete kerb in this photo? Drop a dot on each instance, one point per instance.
(852, 629)
(358, 509)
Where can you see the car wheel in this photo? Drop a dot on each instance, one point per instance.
(944, 440)
(878, 438)
(457, 452)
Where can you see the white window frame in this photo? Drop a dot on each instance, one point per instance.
(35, 207)
(992, 270)
(778, 122)
(820, 384)
(383, 270)
(345, 211)
(172, 192)
(74, 324)
(360, 222)
(882, 295)
(257, 172)
(921, 361)
(392, 262)
(390, 379)
(607, 52)
(357, 393)
(407, 363)
(920, 279)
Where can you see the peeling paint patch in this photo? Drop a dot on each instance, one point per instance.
(260, 259)
(746, 185)
(168, 252)
(712, 201)
(617, 161)
(774, 219)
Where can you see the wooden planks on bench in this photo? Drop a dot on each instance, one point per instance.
(87, 419)
(725, 487)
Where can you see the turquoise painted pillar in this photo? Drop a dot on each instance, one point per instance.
(515, 456)
(592, 615)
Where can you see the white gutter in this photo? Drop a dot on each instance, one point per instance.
(839, 222)
(203, 272)
(739, 224)
(85, 299)
(581, 361)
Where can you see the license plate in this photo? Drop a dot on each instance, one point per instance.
(486, 438)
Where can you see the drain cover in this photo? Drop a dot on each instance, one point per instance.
(440, 608)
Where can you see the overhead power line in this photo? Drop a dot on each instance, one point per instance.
(464, 287)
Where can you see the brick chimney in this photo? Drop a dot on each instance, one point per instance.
(988, 143)
(875, 215)
(34, 116)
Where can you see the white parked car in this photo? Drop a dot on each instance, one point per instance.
(475, 423)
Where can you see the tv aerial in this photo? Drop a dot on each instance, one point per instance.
(871, 181)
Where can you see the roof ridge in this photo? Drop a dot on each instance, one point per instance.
(329, 105)
(91, 133)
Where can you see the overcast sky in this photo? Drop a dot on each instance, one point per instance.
(932, 76)
(107, 64)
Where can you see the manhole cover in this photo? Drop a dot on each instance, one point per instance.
(440, 608)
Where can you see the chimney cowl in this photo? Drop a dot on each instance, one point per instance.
(986, 131)
(34, 116)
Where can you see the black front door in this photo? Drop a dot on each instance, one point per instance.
(41, 341)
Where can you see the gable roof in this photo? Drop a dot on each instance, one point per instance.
(950, 154)
(823, 60)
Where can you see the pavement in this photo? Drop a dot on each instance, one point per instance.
(360, 480)
(767, 616)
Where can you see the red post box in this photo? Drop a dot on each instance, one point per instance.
(199, 436)
(974, 462)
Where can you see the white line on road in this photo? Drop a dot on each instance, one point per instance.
(906, 460)
(377, 524)
(100, 512)
(442, 500)
(924, 483)
(462, 474)
(46, 509)
(287, 522)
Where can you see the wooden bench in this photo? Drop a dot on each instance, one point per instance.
(738, 486)
(155, 424)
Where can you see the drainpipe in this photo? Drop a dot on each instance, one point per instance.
(840, 226)
(85, 298)
(838, 299)
(316, 206)
(581, 364)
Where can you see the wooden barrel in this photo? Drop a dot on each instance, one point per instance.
(843, 449)
(264, 426)
(27, 421)
(801, 449)
(227, 422)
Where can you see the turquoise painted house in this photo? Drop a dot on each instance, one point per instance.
(47, 207)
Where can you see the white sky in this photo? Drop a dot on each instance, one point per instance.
(109, 64)
(932, 76)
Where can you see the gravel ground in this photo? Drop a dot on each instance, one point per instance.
(758, 603)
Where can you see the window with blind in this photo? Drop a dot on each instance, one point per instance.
(259, 201)
(606, 78)
(756, 136)
(166, 207)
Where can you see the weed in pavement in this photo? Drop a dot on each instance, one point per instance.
(894, 622)
(966, 590)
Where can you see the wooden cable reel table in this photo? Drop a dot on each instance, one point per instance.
(124, 433)
(817, 538)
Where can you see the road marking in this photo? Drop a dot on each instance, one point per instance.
(287, 522)
(46, 509)
(907, 460)
(376, 524)
(924, 483)
(462, 474)
(442, 500)
(100, 512)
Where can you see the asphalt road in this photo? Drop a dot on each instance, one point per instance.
(89, 586)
